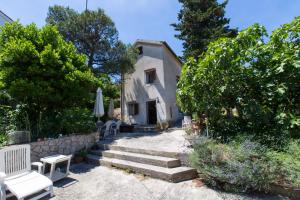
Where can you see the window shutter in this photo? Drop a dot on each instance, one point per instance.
(136, 108)
(153, 76)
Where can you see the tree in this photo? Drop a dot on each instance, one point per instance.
(201, 22)
(95, 35)
(42, 72)
(247, 85)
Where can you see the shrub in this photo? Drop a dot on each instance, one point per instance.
(73, 120)
(3, 139)
(287, 164)
(244, 165)
(78, 120)
(10, 120)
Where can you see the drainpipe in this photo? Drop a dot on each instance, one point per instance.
(122, 97)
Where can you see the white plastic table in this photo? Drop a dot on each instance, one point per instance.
(56, 175)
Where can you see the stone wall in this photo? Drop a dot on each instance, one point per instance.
(64, 145)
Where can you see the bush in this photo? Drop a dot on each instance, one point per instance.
(287, 164)
(3, 139)
(78, 120)
(73, 120)
(10, 120)
(244, 165)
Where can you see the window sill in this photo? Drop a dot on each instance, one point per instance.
(149, 84)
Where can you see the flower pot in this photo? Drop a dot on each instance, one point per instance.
(78, 159)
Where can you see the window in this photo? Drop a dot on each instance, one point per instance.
(150, 76)
(133, 108)
(140, 49)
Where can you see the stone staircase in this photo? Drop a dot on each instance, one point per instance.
(147, 129)
(153, 163)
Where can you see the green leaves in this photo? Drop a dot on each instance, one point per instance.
(94, 34)
(265, 75)
(245, 165)
(201, 22)
(42, 71)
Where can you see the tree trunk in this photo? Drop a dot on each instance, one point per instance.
(91, 60)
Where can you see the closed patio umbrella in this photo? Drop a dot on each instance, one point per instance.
(110, 112)
(99, 109)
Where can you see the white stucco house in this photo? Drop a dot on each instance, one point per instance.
(4, 18)
(149, 93)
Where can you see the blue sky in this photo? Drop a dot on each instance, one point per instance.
(151, 19)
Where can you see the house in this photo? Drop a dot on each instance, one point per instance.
(4, 18)
(149, 93)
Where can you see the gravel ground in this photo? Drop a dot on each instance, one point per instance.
(93, 183)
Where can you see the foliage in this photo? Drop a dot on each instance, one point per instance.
(81, 153)
(77, 120)
(13, 119)
(95, 35)
(201, 22)
(287, 164)
(3, 139)
(248, 84)
(244, 165)
(42, 72)
(163, 125)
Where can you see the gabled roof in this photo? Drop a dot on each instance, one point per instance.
(5, 17)
(160, 43)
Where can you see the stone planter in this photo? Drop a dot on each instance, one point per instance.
(18, 137)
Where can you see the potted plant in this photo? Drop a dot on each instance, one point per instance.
(80, 156)
(163, 125)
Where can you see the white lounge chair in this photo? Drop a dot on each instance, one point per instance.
(17, 177)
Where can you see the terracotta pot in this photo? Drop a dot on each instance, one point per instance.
(78, 159)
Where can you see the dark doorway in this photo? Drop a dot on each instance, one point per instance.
(151, 110)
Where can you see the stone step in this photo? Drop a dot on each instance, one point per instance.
(148, 129)
(143, 158)
(142, 151)
(93, 159)
(96, 152)
(176, 174)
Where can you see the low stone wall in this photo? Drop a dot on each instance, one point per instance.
(64, 145)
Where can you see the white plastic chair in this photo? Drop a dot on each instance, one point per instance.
(186, 122)
(107, 126)
(17, 177)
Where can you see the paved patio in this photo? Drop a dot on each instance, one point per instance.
(89, 182)
(171, 141)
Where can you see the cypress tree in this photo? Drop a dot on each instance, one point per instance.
(200, 22)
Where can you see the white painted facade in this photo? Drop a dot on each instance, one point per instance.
(4, 18)
(156, 56)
